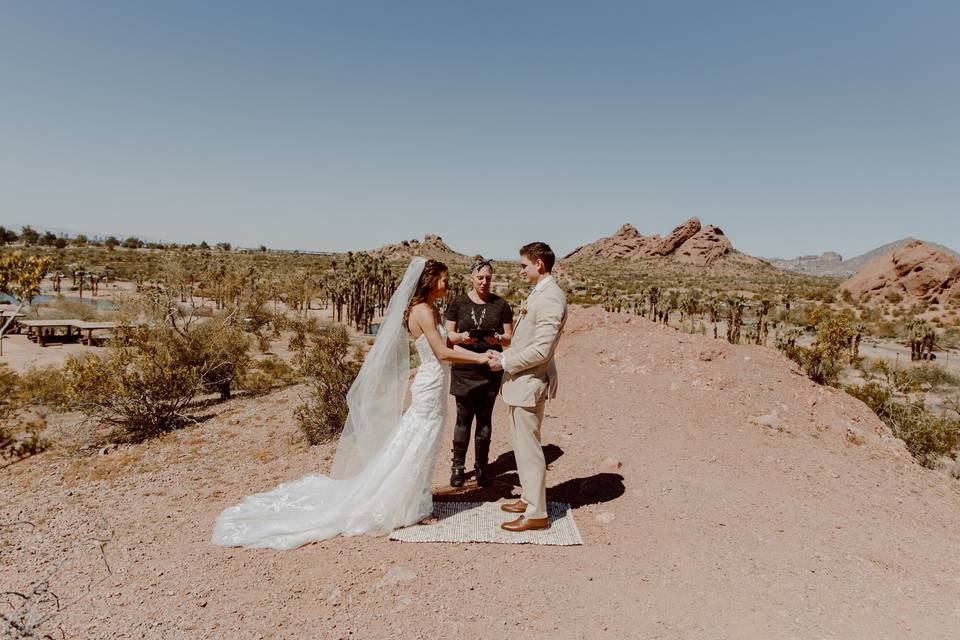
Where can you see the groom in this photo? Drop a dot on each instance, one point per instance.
(530, 378)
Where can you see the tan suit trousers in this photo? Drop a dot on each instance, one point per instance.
(531, 465)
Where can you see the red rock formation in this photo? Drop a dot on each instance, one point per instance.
(627, 242)
(677, 237)
(917, 271)
(706, 247)
(687, 243)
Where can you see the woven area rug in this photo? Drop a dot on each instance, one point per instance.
(480, 522)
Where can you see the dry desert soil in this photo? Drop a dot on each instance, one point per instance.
(720, 494)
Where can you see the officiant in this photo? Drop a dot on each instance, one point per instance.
(479, 321)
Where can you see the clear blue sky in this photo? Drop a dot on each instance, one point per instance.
(796, 127)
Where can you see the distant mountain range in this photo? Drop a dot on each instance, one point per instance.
(832, 263)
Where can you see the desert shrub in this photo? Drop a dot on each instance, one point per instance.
(933, 375)
(19, 433)
(146, 381)
(268, 373)
(898, 379)
(798, 315)
(61, 307)
(9, 382)
(142, 390)
(47, 386)
(20, 438)
(825, 359)
(894, 297)
(820, 295)
(324, 360)
(886, 329)
(928, 435)
(950, 338)
(218, 348)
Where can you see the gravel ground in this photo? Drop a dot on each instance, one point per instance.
(720, 494)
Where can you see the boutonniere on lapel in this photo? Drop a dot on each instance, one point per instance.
(523, 310)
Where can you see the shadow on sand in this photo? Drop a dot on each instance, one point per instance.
(578, 492)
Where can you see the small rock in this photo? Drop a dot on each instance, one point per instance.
(396, 575)
(606, 517)
(853, 437)
(708, 355)
(335, 596)
(611, 464)
(770, 420)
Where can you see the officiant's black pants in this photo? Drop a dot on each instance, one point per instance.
(476, 404)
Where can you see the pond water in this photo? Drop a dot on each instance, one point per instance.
(43, 297)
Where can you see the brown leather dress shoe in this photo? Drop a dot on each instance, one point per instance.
(524, 523)
(517, 506)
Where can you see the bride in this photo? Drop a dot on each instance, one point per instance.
(381, 472)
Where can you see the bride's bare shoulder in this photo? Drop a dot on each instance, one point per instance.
(421, 316)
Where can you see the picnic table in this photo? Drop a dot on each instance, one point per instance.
(44, 331)
(90, 327)
(10, 313)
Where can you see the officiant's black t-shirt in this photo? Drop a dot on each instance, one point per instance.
(468, 315)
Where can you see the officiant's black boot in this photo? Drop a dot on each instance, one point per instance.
(458, 470)
(481, 452)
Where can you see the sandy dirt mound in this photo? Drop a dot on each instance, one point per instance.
(720, 494)
(917, 271)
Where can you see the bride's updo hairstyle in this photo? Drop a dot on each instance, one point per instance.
(432, 272)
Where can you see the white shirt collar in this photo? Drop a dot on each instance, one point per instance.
(543, 282)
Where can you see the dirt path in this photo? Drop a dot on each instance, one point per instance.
(750, 504)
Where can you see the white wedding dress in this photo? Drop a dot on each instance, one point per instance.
(393, 491)
(380, 477)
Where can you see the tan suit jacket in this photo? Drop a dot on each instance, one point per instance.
(531, 374)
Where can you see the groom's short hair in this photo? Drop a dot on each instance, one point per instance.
(539, 251)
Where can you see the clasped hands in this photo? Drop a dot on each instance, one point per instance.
(493, 360)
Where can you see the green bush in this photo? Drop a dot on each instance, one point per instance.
(928, 435)
(142, 392)
(19, 434)
(825, 359)
(323, 360)
(268, 373)
(934, 375)
(47, 386)
(886, 329)
(147, 379)
(61, 308)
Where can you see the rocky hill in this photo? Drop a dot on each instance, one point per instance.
(688, 243)
(917, 271)
(831, 263)
(719, 494)
(828, 263)
(432, 246)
